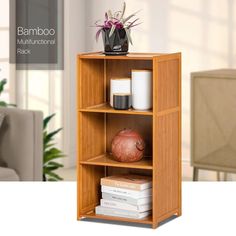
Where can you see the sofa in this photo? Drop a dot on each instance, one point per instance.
(21, 145)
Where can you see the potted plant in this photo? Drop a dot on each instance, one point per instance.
(116, 31)
(50, 152)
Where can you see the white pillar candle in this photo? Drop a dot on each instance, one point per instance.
(119, 85)
(142, 89)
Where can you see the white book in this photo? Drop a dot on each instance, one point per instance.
(125, 206)
(133, 182)
(127, 192)
(100, 210)
(129, 200)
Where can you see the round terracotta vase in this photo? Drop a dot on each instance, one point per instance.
(128, 146)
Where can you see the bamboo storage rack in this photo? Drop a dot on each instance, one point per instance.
(160, 127)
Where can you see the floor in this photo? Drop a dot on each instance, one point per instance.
(68, 174)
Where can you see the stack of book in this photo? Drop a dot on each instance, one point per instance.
(128, 196)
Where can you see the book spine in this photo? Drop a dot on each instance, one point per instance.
(119, 198)
(127, 192)
(118, 205)
(116, 212)
(145, 207)
(127, 200)
(120, 213)
(120, 184)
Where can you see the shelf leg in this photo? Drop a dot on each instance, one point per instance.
(155, 225)
(179, 212)
(195, 174)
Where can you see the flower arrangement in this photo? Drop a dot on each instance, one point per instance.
(117, 21)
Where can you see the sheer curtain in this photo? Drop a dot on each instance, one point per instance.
(31, 89)
(6, 70)
(47, 90)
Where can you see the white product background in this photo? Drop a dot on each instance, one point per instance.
(40, 209)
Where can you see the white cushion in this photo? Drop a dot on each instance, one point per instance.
(7, 174)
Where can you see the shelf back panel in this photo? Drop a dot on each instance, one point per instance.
(92, 135)
(141, 124)
(118, 171)
(89, 187)
(91, 83)
(122, 69)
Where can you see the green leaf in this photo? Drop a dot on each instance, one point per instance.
(49, 136)
(48, 146)
(52, 154)
(2, 84)
(47, 120)
(3, 104)
(56, 176)
(51, 179)
(51, 168)
(52, 163)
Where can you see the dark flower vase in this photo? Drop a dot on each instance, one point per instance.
(117, 44)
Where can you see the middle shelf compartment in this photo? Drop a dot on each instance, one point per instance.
(98, 130)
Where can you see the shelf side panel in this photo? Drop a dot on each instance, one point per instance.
(89, 193)
(167, 83)
(91, 87)
(166, 137)
(167, 176)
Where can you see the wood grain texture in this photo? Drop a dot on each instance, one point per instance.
(89, 188)
(168, 84)
(92, 134)
(167, 163)
(108, 160)
(147, 220)
(130, 56)
(166, 137)
(161, 129)
(91, 87)
(106, 108)
(118, 171)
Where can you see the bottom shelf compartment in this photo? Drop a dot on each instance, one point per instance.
(93, 215)
(89, 191)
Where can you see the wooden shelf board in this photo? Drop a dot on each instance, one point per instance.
(106, 108)
(107, 160)
(129, 56)
(92, 215)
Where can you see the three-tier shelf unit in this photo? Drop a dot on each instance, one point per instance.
(160, 127)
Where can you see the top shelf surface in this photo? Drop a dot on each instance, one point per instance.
(129, 56)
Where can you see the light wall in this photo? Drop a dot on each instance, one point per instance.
(74, 44)
(203, 30)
